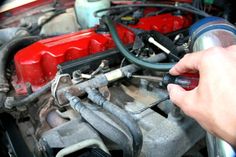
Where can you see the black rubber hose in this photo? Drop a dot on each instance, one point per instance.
(187, 9)
(2, 2)
(131, 57)
(102, 126)
(122, 115)
(29, 98)
(6, 51)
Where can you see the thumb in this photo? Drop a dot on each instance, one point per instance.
(177, 94)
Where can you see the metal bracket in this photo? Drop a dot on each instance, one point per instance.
(61, 81)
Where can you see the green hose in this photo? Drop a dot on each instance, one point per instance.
(132, 58)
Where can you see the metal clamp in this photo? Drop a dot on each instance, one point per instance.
(61, 81)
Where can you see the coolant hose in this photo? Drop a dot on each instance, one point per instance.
(102, 126)
(6, 51)
(122, 115)
(131, 57)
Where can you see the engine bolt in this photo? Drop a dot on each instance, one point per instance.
(64, 80)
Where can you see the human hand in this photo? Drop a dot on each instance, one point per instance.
(213, 102)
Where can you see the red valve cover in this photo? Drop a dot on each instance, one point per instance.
(37, 63)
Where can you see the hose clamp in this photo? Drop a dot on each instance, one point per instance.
(61, 81)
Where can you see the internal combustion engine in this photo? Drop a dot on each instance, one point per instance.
(88, 78)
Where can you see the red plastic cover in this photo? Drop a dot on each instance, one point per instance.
(37, 63)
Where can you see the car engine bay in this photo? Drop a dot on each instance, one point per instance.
(87, 78)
